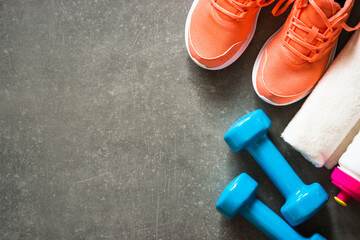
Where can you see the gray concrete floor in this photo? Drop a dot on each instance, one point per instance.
(109, 131)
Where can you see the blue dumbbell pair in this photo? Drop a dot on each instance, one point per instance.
(302, 201)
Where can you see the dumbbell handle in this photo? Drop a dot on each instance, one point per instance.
(268, 222)
(275, 166)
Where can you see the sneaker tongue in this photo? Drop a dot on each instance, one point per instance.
(311, 18)
(229, 7)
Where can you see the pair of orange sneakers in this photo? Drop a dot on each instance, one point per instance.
(292, 60)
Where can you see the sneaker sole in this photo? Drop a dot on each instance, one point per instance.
(236, 55)
(256, 67)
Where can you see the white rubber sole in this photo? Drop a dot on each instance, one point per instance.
(236, 55)
(256, 67)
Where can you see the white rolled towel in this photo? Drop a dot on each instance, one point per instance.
(330, 118)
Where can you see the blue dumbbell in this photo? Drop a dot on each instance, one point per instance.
(239, 198)
(302, 201)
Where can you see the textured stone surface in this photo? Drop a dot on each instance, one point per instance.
(109, 131)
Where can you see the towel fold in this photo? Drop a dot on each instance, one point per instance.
(330, 117)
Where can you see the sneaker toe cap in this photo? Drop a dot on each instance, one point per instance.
(213, 59)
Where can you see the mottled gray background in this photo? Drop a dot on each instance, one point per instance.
(109, 131)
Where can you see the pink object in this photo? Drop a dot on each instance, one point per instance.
(350, 187)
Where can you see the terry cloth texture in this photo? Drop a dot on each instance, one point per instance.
(330, 118)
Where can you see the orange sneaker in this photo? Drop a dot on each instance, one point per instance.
(217, 32)
(295, 57)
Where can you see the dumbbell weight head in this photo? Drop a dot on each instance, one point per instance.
(237, 194)
(304, 204)
(247, 130)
